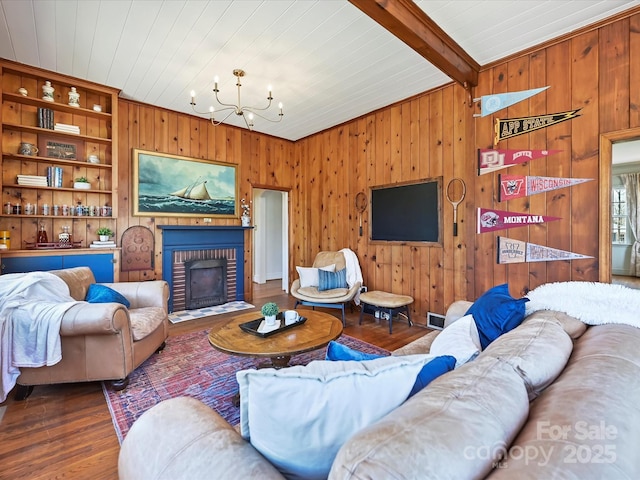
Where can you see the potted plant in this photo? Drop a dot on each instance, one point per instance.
(81, 183)
(104, 233)
(270, 310)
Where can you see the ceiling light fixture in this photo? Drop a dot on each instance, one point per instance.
(247, 113)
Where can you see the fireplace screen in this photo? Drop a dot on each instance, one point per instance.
(205, 283)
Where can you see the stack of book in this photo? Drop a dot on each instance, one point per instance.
(66, 128)
(32, 180)
(99, 244)
(54, 177)
(45, 118)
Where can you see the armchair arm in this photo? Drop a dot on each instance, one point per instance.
(94, 319)
(154, 293)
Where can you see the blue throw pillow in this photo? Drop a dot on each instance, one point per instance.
(496, 312)
(103, 294)
(337, 351)
(331, 280)
(431, 371)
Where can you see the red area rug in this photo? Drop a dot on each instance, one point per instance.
(190, 366)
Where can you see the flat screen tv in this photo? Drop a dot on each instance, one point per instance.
(408, 212)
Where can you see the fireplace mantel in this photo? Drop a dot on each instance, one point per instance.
(189, 237)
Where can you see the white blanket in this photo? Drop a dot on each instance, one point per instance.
(31, 309)
(354, 274)
(591, 302)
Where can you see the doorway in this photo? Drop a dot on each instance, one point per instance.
(270, 241)
(621, 140)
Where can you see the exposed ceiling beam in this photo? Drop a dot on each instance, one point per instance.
(409, 23)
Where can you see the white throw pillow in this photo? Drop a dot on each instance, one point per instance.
(460, 339)
(299, 417)
(309, 276)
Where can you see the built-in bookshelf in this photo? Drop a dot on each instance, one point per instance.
(74, 140)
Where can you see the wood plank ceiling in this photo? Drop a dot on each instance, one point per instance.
(328, 62)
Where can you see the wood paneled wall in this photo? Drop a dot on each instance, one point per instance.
(431, 135)
(262, 161)
(435, 134)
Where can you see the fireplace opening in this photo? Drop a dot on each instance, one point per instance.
(205, 283)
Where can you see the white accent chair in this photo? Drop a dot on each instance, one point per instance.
(335, 298)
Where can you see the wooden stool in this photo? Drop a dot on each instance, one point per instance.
(388, 302)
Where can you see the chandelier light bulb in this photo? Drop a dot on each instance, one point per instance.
(211, 109)
(280, 105)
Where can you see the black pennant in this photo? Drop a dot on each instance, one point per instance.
(512, 127)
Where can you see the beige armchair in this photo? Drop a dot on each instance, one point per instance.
(104, 341)
(335, 298)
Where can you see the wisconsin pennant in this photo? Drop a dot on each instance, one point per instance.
(512, 127)
(492, 103)
(492, 220)
(490, 160)
(517, 251)
(516, 186)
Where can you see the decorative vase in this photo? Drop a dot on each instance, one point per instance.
(270, 320)
(81, 185)
(47, 91)
(104, 238)
(246, 221)
(74, 98)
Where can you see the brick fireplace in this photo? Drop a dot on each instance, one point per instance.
(184, 244)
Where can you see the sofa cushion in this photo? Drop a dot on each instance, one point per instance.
(331, 280)
(102, 294)
(298, 417)
(460, 339)
(316, 294)
(496, 312)
(77, 279)
(538, 351)
(145, 320)
(448, 430)
(419, 345)
(309, 275)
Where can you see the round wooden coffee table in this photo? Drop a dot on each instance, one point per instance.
(319, 329)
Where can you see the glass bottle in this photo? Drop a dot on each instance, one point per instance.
(42, 234)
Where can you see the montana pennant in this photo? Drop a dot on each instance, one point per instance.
(492, 103)
(492, 220)
(490, 160)
(516, 186)
(517, 251)
(512, 127)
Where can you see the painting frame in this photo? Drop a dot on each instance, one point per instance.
(167, 185)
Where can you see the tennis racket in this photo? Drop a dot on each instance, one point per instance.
(456, 190)
(361, 206)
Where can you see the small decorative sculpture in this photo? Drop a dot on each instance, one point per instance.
(47, 91)
(74, 98)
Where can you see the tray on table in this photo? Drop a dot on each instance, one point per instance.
(254, 326)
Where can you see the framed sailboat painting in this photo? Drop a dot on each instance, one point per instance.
(167, 185)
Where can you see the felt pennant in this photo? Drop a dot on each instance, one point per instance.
(492, 220)
(517, 251)
(490, 160)
(516, 186)
(512, 127)
(492, 103)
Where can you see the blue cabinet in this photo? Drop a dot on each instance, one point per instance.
(101, 264)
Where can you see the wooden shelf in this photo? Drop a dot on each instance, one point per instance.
(58, 189)
(38, 130)
(78, 163)
(36, 102)
(57, 217)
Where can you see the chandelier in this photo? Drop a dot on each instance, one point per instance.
(247, 113)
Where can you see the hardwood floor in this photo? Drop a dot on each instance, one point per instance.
(65, 431)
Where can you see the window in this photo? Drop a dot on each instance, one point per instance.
(619, 215)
